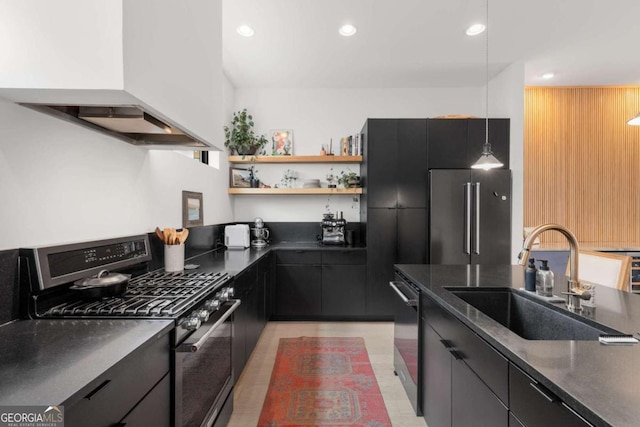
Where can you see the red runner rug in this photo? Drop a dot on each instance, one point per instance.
(318, 381)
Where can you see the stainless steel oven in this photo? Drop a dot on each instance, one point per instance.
(203, 379)
(406, 338)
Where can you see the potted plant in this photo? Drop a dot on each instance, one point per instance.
(348, 179)
(240, 138)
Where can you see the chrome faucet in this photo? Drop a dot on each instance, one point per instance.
(573, 284)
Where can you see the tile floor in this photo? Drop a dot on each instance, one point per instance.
(254, 382)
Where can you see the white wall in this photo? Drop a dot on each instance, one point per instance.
(41, 42)
(60, 182)
(506, 99)
(316, 115)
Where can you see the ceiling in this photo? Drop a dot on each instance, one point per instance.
(422, 43)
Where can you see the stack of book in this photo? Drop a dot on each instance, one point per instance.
(351, 145)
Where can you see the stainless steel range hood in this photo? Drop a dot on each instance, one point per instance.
(130, 123)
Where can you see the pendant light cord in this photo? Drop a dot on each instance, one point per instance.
(486, 126)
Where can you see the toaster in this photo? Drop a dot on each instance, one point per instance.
(237, 236)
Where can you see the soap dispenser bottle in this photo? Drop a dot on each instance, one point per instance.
(530, 276)
(544, 280)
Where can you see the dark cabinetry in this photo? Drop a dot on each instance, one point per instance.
(465, 380)
(533, 405)
(247, 288)
(327, 284)
(457, 143)
(344, 283)
(120, 397)
(394, 204)
(298, 283)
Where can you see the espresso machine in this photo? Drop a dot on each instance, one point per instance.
(260, 234)
(333, 229)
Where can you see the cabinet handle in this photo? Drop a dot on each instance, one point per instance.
(403, 297)
(547, 395)
(97, 390)
(299, 252)
(445, 343)
(455, 354)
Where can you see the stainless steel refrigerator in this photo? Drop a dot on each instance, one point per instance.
(470, 216)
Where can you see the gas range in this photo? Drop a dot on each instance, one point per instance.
(152, 295)
(201, 304)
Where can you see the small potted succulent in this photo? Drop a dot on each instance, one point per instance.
(240, 138)
(349, 179)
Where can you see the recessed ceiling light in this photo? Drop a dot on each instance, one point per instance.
(547, 76)
(475, 29)
(245, 31)
(348, 30)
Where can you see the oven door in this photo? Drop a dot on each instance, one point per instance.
(203, 378)
(406, 334)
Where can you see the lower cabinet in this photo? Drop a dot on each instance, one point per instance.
(313, 284)
(436, 379)
(472, 402)
(534, 405)
(463, 376)
(466, 382)
(119, 397)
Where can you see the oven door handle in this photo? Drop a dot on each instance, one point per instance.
(192, 348)
(403, 297)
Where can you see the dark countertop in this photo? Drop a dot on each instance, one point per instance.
(601, 382)
(45, 362)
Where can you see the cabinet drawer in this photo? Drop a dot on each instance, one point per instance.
(109, 398)
(245, 281)
(534, 405)
(484, 360)
(344, 256)
(298, 257)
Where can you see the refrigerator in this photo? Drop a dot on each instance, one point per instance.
(470, 216)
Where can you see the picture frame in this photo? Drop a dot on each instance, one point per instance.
(239, 178)
(192, 211)
(282, 142)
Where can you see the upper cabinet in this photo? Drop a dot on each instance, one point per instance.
(395, 163)
(457, 143)
(163, 56)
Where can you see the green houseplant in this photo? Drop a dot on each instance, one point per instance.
(349, 179)
(240, 138)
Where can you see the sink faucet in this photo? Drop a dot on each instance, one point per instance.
(573, 297)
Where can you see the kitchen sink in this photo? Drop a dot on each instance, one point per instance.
(529, 318)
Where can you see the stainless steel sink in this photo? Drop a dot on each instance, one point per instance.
(529, 318)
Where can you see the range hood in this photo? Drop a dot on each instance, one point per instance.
(130, 123)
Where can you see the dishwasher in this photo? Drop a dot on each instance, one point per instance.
(406, 334)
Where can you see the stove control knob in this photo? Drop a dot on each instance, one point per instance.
(231, 291)
(212, 305)
(191, 323)
(224, 295)
(202, 315)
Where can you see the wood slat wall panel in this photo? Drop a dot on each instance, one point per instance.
(582, 162)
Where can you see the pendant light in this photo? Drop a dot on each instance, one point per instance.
(487, 160)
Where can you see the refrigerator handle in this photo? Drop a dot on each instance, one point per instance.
(467, 219)
(476, 201)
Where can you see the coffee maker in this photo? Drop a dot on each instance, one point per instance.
(260, 234)
(333, 229)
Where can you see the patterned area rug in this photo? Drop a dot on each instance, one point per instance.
(318, 381)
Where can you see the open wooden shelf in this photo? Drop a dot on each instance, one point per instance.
(311, 191)
(295, 159)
